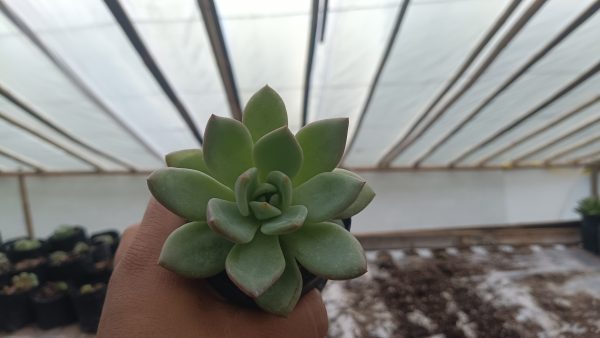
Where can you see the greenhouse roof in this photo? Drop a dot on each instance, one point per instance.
(112, 86)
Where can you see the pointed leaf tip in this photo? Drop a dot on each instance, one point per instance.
(223, 218)
(281, 298)
(187, 158)
(278, 151)
(264, 112)
(363, 199)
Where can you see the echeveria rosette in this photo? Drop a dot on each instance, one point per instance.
(261, 201)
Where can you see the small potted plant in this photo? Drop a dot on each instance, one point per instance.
(589, 208)
(15, 309)
(65, 237)
(25, 248)
(72, 267)
(104, 245)
(5, 269)
(88, 300)
(52, 306)
(262, 204)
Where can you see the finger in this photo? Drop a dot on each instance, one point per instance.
(125, 242)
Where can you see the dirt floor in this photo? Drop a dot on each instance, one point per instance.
(475, 292)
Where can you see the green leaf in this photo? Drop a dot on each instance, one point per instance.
(326, 195)
(283, 185)
(227, 149)
(363, 199)
(278, 151)
(244, 187)
(282, 297)
(264, 113)
(263, 210)
(323, 143)
(264, 188)
(194, 251)
(224, 218)
(187, 158)
(288, 222)
(257, 265)
(327, 250)
(186, 192)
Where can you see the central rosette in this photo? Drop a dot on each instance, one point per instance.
(261, 202)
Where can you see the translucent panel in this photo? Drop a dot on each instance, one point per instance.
(564, 64)
(575, 121)
(583, 93)
(8, 165)
(87, 37)
(591, 131)
(40, 152)
(175, 35)
(580, 153)
(553, 17)
(430, 46)
(17, 114)
(346, 60)
(267, 42)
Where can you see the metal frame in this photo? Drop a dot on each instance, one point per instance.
(136, 41)
(572, 149)
(25, 206)
(209, 14)
(312, 41)
(539, 108)
(401, 144)
(21, 159)
(74, 78)
(388, 49)
(557, 140)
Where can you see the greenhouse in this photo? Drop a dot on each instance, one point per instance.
(324, 168)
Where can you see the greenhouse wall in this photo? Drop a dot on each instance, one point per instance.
(406, 200)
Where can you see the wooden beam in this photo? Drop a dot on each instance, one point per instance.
(86, 90)
(533, 112)
(594, 180)
(401, 144)
(537, 131)
(22, 160)
(511, 80)
(210, 17)
(386, 54)
(312, 41)
(572, 149)
(25, 206)
(136, 41)
(571, 133)
(589, 160)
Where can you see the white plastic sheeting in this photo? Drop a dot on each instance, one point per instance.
(268, 42)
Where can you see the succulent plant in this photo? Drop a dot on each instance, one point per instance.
(104, 239)
(27, 244)
(90, 288)
(64, 231)
(81, 248)
(5, 265)
(58, 258)
(22, 282)
(589, 206)
(261, 201)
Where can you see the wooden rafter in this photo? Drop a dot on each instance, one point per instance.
(571, 149)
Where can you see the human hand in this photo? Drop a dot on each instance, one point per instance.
(146, 300)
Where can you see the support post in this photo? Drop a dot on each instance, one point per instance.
(594, 180)
(25, 206)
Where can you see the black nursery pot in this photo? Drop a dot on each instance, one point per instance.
(227, 289)
(76, 270)
(54, 311)
(112, 233)
(40, 270)
(590, 234)
(16, 255)
(68, 243)
(88, 308)
(15, 311)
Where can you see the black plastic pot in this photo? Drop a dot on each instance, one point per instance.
(76, 270)
(68, 243)
(5, 278)
(590, 233)
(100, 272)
(88, 308)
(16, 255)
(40, 270)
(54, 311)
(112, 233)
(227, 289)
(15, 311)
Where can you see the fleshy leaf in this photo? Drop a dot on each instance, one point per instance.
(186, 192)
(326, 195)
(244, 187)
(281, 298)
(264, 188)
(264, 112)
(275, 201)
(257, 265)
(288, 222)
(194, 251)
(278, 151)
(327, 250)
(227, 149)
(187, 158)
(283, 185)
(224, 218)
(323, 143)
(263, 210)
(363, 199)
